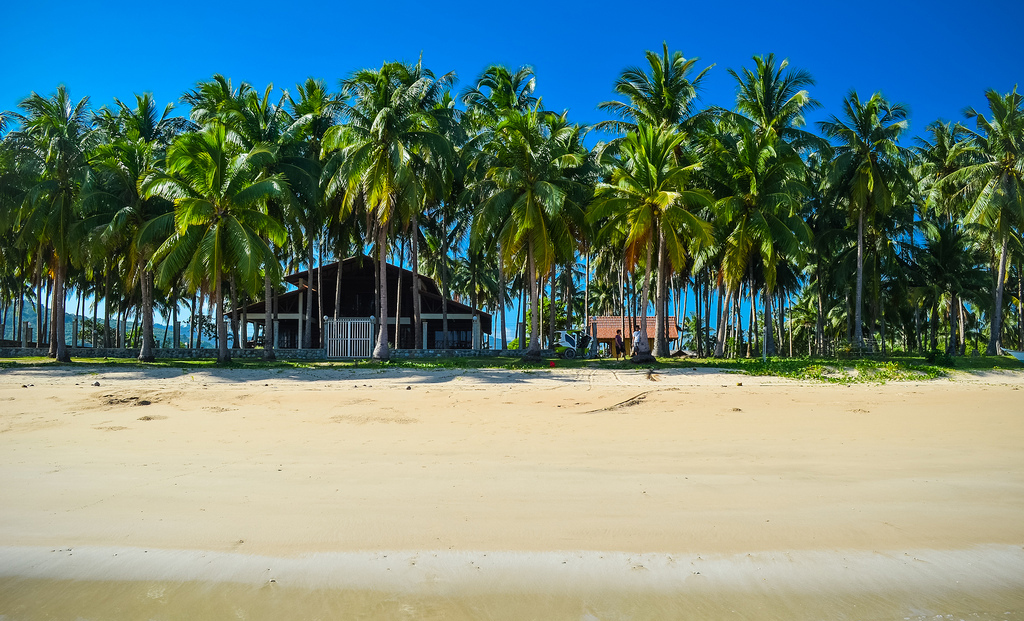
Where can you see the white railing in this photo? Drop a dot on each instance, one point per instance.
(348, 338)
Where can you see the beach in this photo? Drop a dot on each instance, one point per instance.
(582, 493)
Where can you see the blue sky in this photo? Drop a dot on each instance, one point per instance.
(936, 57)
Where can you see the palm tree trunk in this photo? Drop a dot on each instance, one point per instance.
(769, 333)
(586, 299)
(858, 331)
(933, 343)
(952, 346)
(307, 331)
(521, 315)
(106, 304)
(721, 329)
(197, 319)
(698, 324)
(60, 347)
(738, 330)
(416, 312)
(552, 310)
(337, 284)
(233, 292)
(175, 330)
(622, 297)
(819, 322)
(95, 315)
(643, 346)
(1020, 305)
(752, 334)
(268, 318)
(660, 342)
(962, 312)
(146, 351)
(223, 353)
(320, 292)
(501, 302)
(533, 351)
(380, 352)
(39, 301)
(995, 342)
(398, 296)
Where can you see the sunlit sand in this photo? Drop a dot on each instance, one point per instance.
(556, 494)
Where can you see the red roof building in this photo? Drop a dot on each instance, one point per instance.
(605, 328)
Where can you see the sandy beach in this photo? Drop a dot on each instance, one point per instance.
(552, 494)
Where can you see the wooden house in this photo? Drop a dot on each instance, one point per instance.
(347, 290)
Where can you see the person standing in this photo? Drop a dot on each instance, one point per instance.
(620, 347)
(636, 339)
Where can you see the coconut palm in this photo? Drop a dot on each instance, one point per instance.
(391, 127)
(135, 141)
(664, 96)
(219, 194)
(948, 265)
(650, 198)
(307, 121)
(868, 168)
(994, 186)
(775, 100)
(498, 91)
(530, 198)
(53, 142)
(760, 188)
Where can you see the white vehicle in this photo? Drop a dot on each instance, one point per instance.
(571, 344)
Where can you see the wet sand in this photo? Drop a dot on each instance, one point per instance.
(561, 494)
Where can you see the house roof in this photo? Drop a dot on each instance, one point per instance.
(358, 280)
(607, 325)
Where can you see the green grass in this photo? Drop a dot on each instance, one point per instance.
(866, 370)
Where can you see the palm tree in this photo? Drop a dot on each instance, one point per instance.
(665, 96)
(994, 186)
(949, 264)
(499, 91)
(136, 141)
(868, 166)
(54, 142)
(530, 199)
(311, 116)
(649, 198)
(219, 196)
(760, 189)
(775, 100)
(391, 127)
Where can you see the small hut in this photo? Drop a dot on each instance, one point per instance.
(604, 327)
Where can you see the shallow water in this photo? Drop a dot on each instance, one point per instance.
(38, 599)
(102, 583)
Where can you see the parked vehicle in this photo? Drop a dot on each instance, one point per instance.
(571, 344)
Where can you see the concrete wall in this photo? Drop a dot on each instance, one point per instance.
(255, 354)
(462, 353)
(184, 353)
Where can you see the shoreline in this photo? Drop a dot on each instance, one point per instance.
(996, 567)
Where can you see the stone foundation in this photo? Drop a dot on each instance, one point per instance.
(256, 354)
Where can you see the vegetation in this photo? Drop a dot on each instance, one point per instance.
(857, 239)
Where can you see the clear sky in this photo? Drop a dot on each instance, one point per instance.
(937, 57)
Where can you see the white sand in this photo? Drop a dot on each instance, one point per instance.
(906, 496)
